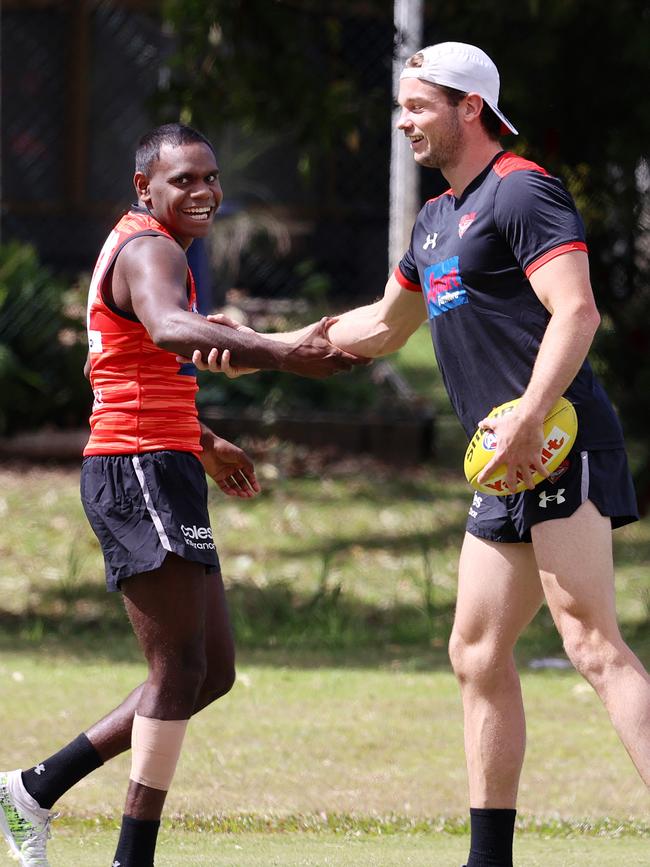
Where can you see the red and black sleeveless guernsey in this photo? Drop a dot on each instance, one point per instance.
(144, 399)
(471, 256)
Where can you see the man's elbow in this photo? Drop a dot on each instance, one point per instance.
(394, 340)
(383, 340)
(166, 333)
(582, 317)
(591, 318)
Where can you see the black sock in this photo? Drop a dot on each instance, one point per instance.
(48, 780)
(491, 841)
(137, 843)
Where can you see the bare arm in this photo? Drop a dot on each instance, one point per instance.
(379, 328)
(564, 288)
(150, 277)
(374, 329)
(365, 332)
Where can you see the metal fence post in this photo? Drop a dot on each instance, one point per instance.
(404, 186)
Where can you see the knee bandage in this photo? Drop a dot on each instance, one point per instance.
(156, 745)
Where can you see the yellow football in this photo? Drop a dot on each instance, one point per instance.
(560, 431)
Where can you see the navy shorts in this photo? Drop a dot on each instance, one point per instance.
(141, 507)
(600, 476)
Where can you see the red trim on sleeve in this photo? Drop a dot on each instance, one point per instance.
(448, 192)
(507, 163)
(551, 254)
(406, 284)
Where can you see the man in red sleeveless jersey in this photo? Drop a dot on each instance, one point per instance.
(144, 490)
(498, 265)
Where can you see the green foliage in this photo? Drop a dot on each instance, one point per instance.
(271, 392)
(41, 356)
(279, 67)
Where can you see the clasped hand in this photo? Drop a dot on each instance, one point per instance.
(314, 354)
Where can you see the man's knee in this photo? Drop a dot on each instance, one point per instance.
(219, 680)
(591, 654)
(478, 662)
(182, 672)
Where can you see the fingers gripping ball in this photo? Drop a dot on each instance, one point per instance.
(560, 431)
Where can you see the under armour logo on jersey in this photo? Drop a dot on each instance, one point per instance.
(430, 241)
(116, 864)
(544, 498)
(39, 769)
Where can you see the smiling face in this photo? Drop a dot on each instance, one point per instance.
(182, 190)
(430, 123)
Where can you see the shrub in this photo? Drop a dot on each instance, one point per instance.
(42, 350)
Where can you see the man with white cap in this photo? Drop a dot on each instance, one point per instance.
(501, 263)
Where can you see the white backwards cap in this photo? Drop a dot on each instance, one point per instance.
(463, 67)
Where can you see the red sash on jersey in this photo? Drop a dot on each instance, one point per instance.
(143, 402)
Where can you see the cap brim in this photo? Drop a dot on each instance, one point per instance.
(506, 126)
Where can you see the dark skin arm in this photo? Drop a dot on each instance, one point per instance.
(149, 280)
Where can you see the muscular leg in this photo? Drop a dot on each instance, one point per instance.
(574, 556)
(112, 734)
(167, 611)
(499, 593)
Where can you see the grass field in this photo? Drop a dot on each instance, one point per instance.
(93, 846)
(341, 742)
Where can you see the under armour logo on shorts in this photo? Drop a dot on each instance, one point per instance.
(545, 498)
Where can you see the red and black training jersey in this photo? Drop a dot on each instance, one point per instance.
(471, 256)
(144, 399)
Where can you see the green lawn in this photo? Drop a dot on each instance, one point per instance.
(341, 742)
(93, 847)
(349, 561)
(293, 739)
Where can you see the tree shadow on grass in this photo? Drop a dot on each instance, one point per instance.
(279, 625)
(379, 490)
(425, 542)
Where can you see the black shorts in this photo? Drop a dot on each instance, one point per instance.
(141, 507)
(600, 476)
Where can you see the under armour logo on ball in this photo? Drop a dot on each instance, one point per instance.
(545, 498)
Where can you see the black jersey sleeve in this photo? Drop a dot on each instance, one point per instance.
(538, 218)
(408, 269)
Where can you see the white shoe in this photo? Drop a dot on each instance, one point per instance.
(25, 825)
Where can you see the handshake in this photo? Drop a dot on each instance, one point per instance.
(306, 352)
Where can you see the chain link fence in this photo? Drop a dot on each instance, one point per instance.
(95, 81)
(99, 76)
(77, 78)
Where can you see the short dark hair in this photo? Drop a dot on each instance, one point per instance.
(174, 134)
(489, 121)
